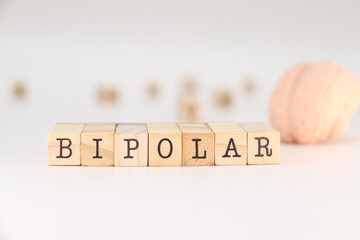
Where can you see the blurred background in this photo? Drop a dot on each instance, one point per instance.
(143, 61)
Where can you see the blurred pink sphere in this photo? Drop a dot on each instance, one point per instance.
(314, 102)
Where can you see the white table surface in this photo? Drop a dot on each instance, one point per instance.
(313, 194)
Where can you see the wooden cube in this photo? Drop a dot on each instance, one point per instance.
(230, 143)
(198, 144)
(97, 144)
(64, 142)
(164, 144)
(190, 109)
(263, 143)
(131, 145)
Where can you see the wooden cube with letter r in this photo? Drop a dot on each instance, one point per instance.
(263, 144)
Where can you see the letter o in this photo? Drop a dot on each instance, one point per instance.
(159, 148)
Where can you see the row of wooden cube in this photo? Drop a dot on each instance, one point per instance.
(163, 144)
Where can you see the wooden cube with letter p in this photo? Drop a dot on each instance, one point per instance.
(64, 142)
(131, 145)
(97, 144)
(198, 144)
(263, 143)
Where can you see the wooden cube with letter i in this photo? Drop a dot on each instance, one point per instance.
(97, 144)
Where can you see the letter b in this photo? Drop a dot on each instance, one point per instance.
(62, 147)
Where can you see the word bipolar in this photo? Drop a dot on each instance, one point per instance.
(163, 144)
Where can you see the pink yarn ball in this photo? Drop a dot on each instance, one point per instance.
(314, 102)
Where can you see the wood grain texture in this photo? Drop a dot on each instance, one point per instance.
(190, 109)
(198, 143)
(164, 144)
(230, 143)
(64, 142)
(101, 135)
(131, 145)
(263, 144)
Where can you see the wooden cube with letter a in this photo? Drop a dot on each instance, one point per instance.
(198, 144)
(97, 144)
(164, 144)
(263, 143)
(131, 145)
(230, 143)
(64, 143)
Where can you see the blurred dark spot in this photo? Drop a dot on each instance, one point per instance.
(108, 94)
(223, 98)
(19, 90)
(153, 90)
(190, 85)
(249, 86)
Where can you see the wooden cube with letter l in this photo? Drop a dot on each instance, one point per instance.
(263, 144)
(164, 144)
(131, 145)
(230, 143)
(198, 144)
(64, 142)
(97, 144)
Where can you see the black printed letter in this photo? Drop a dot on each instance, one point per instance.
(197, 140)
(233, 148)
(64, 147)
(131, 148)
(268, 151)
(97, 140)
(159, 148)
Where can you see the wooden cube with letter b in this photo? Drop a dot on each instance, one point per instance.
(131, 145)
(263, 143)
(97, 144)
(64, 142)
(230, 143)
(198, 144)
(164, 144)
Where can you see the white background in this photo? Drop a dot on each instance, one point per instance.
(65, 49)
